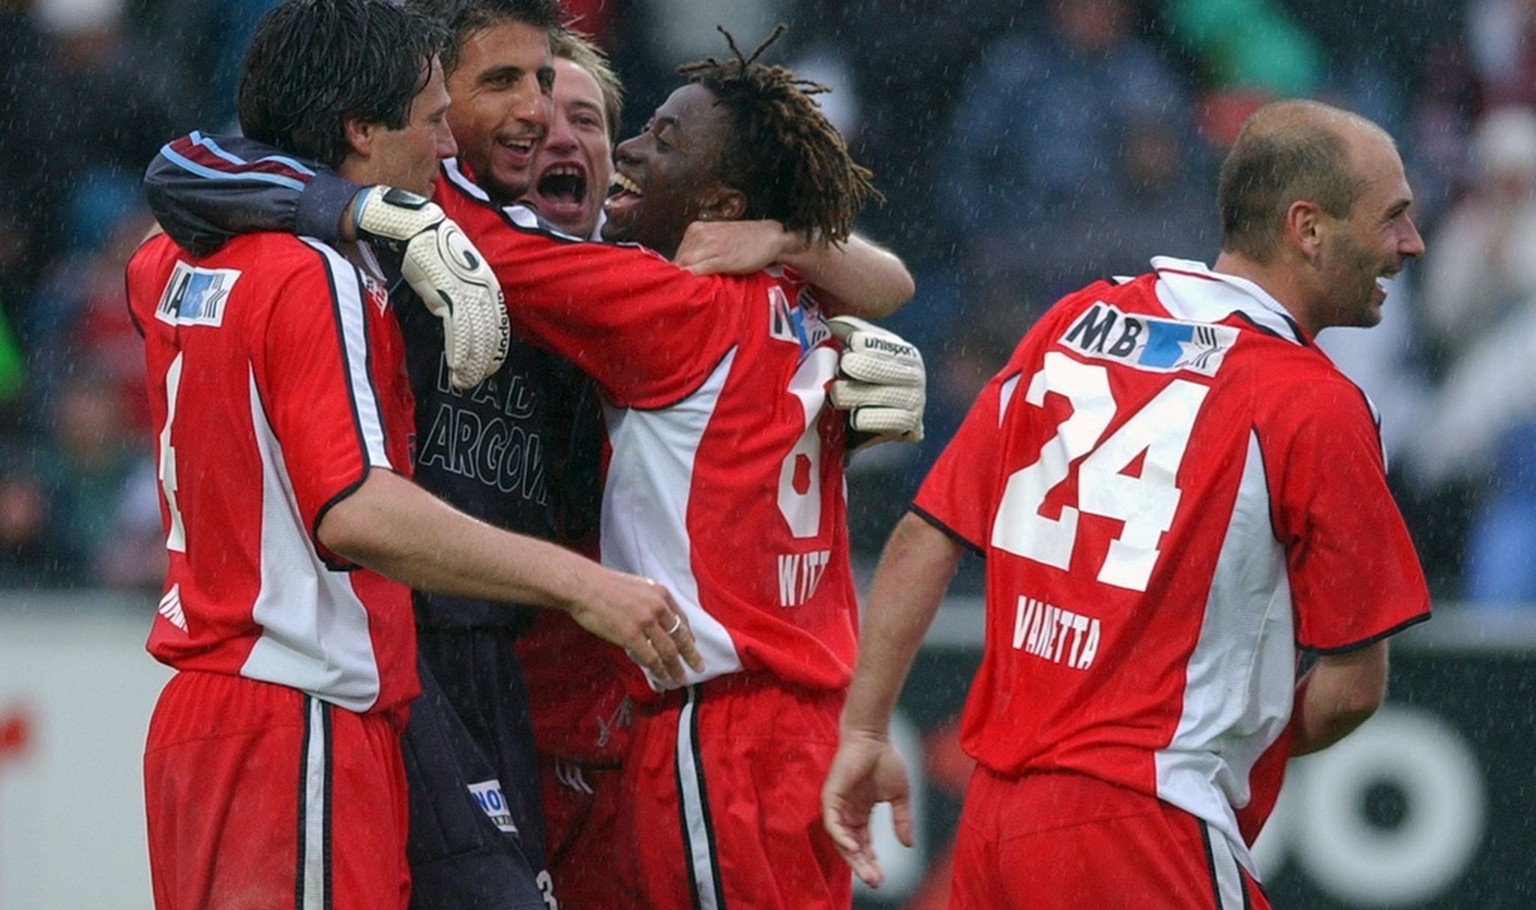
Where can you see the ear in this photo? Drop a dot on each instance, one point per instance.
(726, 205)
(360, 135)
(1304, 228)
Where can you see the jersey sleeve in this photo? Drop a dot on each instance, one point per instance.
(646, 331)
(204, 191)
(332, 384)
(1354, 575)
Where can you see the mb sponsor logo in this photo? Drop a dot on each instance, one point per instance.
(1105, 332)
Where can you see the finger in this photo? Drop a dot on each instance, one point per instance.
(901, 820)
(687, 644)
(842, 836)
(845, 326)
(847, 393)
(881, 368)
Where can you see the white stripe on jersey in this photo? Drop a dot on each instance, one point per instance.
(314, 628)
(1226, 877)
(314, 871)
(694, 809)
(350, 301)
(645, 500)
(1247, 634)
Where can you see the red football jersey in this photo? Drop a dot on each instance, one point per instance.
(1173, 488)
(725, 478)
(276, 381)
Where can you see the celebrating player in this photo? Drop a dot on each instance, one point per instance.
(273, 766)
(1174, 489)
(716, 396)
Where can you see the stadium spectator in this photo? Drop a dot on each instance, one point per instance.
(1070, 150)
(295, 673)
(1174, 490)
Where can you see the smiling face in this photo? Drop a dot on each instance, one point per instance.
(574, 166)
(666, 177)
(408, 157)
(502, 98)
(1372, 243)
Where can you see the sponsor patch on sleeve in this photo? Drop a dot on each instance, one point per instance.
(1105, 332)
(196, 296)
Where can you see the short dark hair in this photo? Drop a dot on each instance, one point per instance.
(783, 153)
(314, 64)
(463, 18)
(1287, 151)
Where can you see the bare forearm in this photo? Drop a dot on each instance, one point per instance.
(1339, 694)
(858, 277)
(908, 586)
(400, 530)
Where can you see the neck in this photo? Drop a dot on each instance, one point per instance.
(1277, 279)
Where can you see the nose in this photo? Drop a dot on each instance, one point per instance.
(534, 106)
(627, 150)
(447, 147)
(1412, 245)
(561, 136)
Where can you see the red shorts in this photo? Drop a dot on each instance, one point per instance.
(581, 827)
(1065, 841)
(723, 786)
(258, 795)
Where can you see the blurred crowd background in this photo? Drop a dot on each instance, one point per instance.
(1023, 150)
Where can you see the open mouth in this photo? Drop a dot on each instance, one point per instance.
(622, 184)
(563, 184)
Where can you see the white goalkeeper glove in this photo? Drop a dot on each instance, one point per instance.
(449, 275)
(881, 382)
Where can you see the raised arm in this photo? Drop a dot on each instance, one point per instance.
(398, 529)
(204, 190)
(857, 278)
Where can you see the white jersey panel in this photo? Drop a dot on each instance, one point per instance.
(1246, 640)
(314, 628)
(645, 509)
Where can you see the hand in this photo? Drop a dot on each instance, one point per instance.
(639, 615)
(881, 382)
(866, 770)
(448, 273)
(731, 247)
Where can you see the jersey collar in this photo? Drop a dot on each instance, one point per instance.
(1191, 290)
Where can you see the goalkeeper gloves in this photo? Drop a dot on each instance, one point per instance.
(881, 383)
(449, 275)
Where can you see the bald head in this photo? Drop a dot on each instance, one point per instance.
(1289, 151)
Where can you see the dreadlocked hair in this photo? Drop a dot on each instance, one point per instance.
(784, 154)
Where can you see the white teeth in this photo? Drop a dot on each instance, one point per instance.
(626, 184)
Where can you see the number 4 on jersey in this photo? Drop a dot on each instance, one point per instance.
(1146, 502)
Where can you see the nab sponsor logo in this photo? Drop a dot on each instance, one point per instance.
(1147, 343)
(493, 803)
(196, 296)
